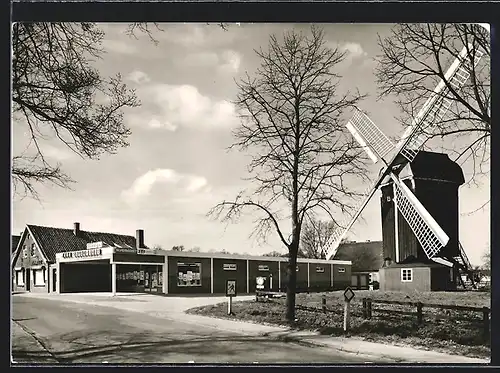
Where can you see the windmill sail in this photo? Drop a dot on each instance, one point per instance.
(412, 141)
(437, 106)
(369, 136)
(428, 232)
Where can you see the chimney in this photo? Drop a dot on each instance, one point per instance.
(76, 229)
(139, 239)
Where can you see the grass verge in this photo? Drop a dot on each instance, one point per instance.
(458, 333)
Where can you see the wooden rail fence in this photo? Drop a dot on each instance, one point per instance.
(368, 311)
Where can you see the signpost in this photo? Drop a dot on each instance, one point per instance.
(348, 296)
(230, 293)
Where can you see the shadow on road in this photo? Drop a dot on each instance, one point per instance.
(92, 348)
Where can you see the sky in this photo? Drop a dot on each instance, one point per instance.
(177, 165)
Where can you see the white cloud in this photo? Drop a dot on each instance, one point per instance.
(173, 185)
(185, 106)
(354, 50)
(227, 61)
(118, 46)
(231, 60)
(138, 77)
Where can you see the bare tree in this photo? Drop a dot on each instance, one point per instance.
(178, 248)
(56, 93)
(415, 58)
(292, 125)
(276, 254)
(314, 238)
(487, 260)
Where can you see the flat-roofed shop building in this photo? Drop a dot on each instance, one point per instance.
(106, 262)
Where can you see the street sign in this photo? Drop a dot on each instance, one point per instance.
(230, 288)
(348, 294)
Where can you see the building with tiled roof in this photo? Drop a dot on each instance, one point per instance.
(366, 257)
(36, 249)
(49, 259)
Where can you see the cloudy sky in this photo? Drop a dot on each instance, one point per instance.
(177, 166)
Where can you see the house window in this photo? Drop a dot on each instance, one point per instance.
(188, 274)
(406, 275)
(25, 252)
(229, 267)
(32, 250)
(20, 278)
(341, 270)
(39, 277)
(263, 267)
(320, 269)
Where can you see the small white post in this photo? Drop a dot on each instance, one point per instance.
(347, 319)
(308, 276)
(230, 305)
(165, 275)
(271, 281)
(113, 279)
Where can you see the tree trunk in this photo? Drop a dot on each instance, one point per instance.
(292, 283)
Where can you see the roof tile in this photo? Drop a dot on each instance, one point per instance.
(58, 240)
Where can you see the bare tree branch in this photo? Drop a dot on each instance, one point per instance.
(292, 123)
(57, 93)
(414, 59)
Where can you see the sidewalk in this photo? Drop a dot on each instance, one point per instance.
(173, 308)
(25, 348)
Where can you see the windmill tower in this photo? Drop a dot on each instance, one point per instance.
(431, 240)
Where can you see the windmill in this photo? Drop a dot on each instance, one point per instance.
(431, 237)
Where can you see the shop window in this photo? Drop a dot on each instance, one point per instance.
(341, 270)
(406, 275)
(20, 278)
(263, 267)
(188, 274)
(320, 270)
(39, 277)
(229, 267)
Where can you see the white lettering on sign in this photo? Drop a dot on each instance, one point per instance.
(125, 250)
(229, 267)
(82, 254)
(263, 267)
(95, 245)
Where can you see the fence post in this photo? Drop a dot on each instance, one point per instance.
(365, 314)
(369, 307)
(323, 302)
(486, 323)
(419, 313)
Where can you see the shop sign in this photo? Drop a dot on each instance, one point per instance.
(92, 253)
(147, 251)
(229, 267)
(95, 245)
(125, 250)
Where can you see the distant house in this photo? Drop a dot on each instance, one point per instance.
(367, 259)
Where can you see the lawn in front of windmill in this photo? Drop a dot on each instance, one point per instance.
(453, 332)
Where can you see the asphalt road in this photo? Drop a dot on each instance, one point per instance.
(84, 333)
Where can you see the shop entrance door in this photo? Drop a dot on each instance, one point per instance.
(54, 280)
